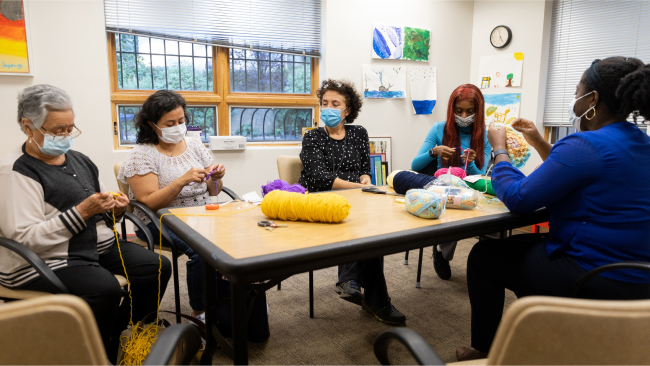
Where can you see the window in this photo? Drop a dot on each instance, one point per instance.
(153, 63)
(267, 97)
(582, 31)
(252, 71)
(270, 124)
(203, 117)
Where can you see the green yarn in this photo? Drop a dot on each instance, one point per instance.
(480, 186)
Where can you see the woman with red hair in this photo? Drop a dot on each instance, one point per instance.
(448, 143)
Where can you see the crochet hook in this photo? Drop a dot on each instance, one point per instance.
(206, 178)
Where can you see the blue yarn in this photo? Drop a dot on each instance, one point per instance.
(403, 181)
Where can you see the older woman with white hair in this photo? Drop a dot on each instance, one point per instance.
(55, 204)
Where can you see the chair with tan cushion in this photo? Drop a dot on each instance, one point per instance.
(542, 330)
(289, 168)
(61, 330)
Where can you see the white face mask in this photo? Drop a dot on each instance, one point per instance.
(575, 120)
(464, 122)
(174, 134)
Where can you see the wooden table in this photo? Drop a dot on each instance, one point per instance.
(231, 242)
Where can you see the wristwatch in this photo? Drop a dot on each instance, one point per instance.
(499, 152)
(431, 153)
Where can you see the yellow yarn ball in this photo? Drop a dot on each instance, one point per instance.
(323, 207)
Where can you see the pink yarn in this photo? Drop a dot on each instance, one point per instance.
(459, 172)
(283, 186)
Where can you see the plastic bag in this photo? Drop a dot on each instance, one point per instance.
(458, 198)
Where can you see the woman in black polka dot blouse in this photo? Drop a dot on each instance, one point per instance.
(337, 156)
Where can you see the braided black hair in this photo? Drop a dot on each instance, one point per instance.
(347, 90)
(629, 78)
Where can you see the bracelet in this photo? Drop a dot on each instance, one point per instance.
(173, 188)
(499, 152)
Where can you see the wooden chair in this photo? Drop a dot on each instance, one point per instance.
(289, 169)
(168, 243)
(61, 330)
(542, 330)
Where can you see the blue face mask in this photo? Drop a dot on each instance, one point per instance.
(54, 147)
(331, 117)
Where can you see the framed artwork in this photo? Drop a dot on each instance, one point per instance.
(15, 48)
(382, 145)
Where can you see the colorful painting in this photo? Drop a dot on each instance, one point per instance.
(14, 56)
(384, 81)
(501, 71)
(423, 89)
(417, 43)
(387, 41)
(502, 108)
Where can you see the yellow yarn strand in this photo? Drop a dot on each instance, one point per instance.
(137, 347)
(323, 207)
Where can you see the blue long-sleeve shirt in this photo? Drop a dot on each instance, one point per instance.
(434, 138)
(596, 186)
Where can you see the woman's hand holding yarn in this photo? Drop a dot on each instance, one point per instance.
(528, 129)
(496, 137)
(121, 202)
(98, 203)
(471, 155)
(193, 175)
(219, 173)
(443, 151)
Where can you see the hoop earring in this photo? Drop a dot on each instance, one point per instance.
(592, 117)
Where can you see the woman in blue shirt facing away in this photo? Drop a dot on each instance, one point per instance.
(462, 133)
(594, 183)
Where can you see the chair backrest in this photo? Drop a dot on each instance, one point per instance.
(124, 188)
(289, 168)
(559, 331)
(50, 330)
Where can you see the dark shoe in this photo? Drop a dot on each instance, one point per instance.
(350, 291)
(388, 314)
(441, 265)
(466, 354)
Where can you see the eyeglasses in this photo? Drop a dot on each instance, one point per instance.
(62, 135)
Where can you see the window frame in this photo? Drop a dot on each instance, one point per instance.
(220, 97)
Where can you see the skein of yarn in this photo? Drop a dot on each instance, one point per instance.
(424, 204)
(282, 186)
(322, 207)
(404, 181)
(392, 175)
(459, 172)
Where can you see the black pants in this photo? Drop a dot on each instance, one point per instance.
(520, 264)
(370, 275)
(99, 288)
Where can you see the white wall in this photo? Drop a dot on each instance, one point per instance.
(348, 45)
(530, 25)
(69, 49)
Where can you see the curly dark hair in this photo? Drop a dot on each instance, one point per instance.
(629, 78)
(347, 90)
(159, 103)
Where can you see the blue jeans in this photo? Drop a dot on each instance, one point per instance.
(195, 280)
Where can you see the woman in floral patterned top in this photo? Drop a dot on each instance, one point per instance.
(161, 167)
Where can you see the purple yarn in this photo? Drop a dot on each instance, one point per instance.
(283, 186)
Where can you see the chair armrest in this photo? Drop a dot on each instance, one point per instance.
(37, 263)
(418, 347)
(140, 225)
(167, 342)
(575, 288)
(230, 193)
(156, 221)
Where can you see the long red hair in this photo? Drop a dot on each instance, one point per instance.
(451, 138)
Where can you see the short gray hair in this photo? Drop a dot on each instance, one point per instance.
(35, 102)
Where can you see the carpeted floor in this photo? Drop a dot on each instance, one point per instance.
(341, 332)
